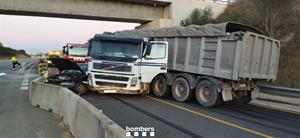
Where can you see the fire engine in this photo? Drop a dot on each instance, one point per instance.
(76, 52)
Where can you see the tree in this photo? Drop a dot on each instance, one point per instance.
(198, 17)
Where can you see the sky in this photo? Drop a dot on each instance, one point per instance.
(43, 34)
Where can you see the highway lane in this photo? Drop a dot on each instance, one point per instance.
(174, 119)
(17, 117)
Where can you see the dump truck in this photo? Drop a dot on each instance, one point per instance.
(213, 62)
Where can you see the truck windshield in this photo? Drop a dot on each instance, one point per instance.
(115, 50)
(78, 51)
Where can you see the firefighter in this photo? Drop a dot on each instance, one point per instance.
(15, 62)
(43, 68)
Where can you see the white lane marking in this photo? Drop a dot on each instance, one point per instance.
(25, 80)
(24, 88)
(2, 74)
(25, 84)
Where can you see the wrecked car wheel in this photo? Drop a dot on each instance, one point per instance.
(80, 88)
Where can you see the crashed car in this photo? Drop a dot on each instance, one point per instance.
(70, 75)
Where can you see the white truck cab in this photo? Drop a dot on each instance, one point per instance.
(125, 64)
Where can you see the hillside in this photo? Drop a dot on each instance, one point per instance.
(6, 53)
(276, 18)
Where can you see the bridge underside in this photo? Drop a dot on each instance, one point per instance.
(113, 10)
(149, 13)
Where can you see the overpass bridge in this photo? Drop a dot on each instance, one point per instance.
(149, 13)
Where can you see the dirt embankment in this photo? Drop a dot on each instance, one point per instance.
(19, 56)
(7, 53)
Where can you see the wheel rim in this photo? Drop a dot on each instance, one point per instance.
(159, 86)
(205, 94)
(180, 89)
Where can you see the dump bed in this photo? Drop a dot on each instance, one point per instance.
(235, 56)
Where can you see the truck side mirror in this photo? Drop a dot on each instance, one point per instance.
(147, 51)
(64, 50)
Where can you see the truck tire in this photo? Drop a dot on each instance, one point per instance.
(159, 86)
(181, 90)
(207, 94)
(80, 88)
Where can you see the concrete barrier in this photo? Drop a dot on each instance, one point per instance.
(82, 118)
(45, 96)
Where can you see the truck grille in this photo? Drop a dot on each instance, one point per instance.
(110, 84)
(113, 67)
(115, 78)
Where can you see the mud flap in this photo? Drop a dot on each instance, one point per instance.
(145, 88)
(227, 94)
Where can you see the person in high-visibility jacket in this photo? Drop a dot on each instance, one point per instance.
(15, 62)
(43, 68)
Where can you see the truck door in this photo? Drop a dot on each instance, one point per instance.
(154, 61)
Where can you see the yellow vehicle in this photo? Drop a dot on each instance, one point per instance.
(54, 54)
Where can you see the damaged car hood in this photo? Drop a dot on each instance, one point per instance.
(64, 64)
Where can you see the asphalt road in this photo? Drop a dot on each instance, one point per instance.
(173, 119)
(168, 117)
(17, 117)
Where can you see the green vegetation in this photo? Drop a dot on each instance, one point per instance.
(198, 17)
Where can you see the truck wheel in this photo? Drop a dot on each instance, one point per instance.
(159, 86)
(80, 88)
(181, 90)
(207, 94)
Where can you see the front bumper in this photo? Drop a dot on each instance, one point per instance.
(114, 83)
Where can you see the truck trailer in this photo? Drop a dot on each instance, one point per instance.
(214, 62)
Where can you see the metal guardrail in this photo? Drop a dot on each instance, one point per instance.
(31, 63)
(291, 92)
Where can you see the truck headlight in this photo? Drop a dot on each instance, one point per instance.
(133, 81)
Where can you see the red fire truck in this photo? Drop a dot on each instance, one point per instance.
(76, 52)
